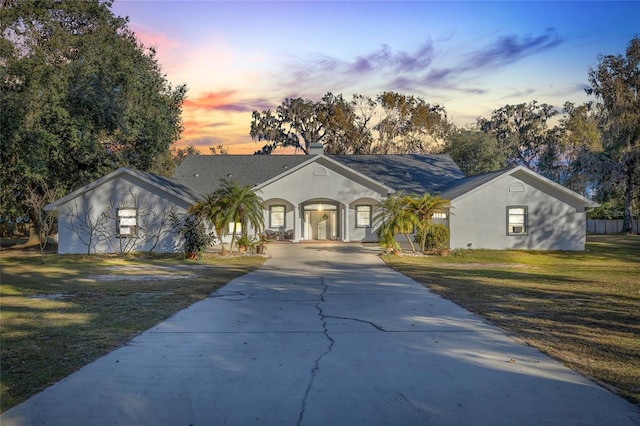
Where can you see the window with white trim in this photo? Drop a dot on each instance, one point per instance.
(277, 216)
(439, 215)
(127, 222)
(517, 220)
(363, 216)
(237, 226)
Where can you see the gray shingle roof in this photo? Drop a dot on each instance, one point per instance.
(462, 186)
(408, 173)
(168, 185)
(203, 173)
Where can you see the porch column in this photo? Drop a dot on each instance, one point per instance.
(345, 223)
(296, 223)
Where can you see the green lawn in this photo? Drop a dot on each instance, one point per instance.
(62, 314)
(582, 308)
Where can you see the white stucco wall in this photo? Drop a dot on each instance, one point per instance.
(478, 219)
(323, 182)
(365, 234)
(109, 196)
(288, 220)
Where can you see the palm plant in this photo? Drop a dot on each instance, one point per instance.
(423, 208)
(231, 203)
(395, 218)
(212, 209)
(242, 205)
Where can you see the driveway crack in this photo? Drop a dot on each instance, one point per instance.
(316, 363)
(232, 295)
(372, 324)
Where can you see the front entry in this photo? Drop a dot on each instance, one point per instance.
(321, 222)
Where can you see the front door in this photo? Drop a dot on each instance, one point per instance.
(320, 222)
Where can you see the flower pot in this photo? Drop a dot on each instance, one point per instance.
(191, 255)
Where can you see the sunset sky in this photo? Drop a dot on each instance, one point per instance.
(471, 57)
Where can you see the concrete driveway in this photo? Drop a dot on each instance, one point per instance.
(324, 335)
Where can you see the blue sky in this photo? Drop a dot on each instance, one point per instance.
(471, 57)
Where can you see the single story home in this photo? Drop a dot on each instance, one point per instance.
(122, 211)
(328, 197)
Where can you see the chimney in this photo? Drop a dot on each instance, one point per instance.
(316, 149)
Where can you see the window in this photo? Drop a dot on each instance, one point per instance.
(517, 220)
(439, 215)
(321, 171)
(127, 222)
(516, 187)
(237, 226)
(276, 216)
(363, 216)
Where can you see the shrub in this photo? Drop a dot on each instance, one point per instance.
(437, 237)
(196, 238)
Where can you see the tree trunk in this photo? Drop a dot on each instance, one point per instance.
(409, 239)
(423, 243)
(34, 235)
(627, 224)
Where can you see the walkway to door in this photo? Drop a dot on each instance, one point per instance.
(324, 335)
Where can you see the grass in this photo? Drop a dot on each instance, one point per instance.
(60, 312)
(582, 308)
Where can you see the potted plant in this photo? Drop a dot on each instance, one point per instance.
(245, 243)
(262, 243)
(389, 243)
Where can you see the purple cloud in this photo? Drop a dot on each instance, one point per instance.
(519, 94)
(509, 49)
(475, 91)
(438, 76)
(386, 59)
(425, 67)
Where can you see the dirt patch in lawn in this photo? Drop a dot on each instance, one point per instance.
(150, 273)
(484, 265)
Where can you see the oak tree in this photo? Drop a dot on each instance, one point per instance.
(474, 151)
(409, 125)
(80, 96)
(294, 124)
(580, 142)
(615, 83)
(522, 132)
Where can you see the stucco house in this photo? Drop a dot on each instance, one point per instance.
(335, 197)
(125, 209)
(515, 209)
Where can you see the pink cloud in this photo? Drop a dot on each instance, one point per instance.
(151, 37)
(164, 45)
(211, 101)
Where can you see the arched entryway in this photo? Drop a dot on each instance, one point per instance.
(321, 220)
